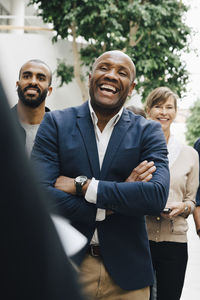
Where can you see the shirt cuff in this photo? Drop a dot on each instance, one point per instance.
(91, 193)
(101, 214)
(91, 196)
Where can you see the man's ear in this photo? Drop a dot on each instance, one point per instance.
(17, 84)
(50, 90)
(133, 84)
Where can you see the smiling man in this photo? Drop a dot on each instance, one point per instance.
(88, 158)
(33, 86)
(111, 91)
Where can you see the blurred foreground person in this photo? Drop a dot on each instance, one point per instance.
(32, 259)
(168, 232)
(196, 213)
(33, 86)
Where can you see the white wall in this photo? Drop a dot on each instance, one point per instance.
(16, 49)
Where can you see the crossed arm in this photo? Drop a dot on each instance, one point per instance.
(130, 197)
(143, 172)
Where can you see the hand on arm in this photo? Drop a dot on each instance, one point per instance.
(143, 172)
(65, 184)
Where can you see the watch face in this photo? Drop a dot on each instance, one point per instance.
(79, 182)
(81, 179)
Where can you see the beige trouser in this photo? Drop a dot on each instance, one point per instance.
(97, 283)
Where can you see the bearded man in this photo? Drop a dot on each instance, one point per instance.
(33, 86)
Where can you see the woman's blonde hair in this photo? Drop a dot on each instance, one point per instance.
(160, 95)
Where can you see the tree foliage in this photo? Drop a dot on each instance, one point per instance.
(193, 124)
(64, 72)
(151, 32)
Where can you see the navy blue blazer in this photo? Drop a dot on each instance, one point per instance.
(65, 145)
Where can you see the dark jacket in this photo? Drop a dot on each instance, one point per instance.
(32, 259)
(66, 145)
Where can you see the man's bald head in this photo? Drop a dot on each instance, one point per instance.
(117, 54)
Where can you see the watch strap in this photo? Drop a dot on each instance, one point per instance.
(79, 191)
(79, 182)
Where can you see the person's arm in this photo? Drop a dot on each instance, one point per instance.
(187, 205)
(131, 198)
(140, 198)
(143, 172)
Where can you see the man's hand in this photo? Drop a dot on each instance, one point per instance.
(65, 184)
(143, 172)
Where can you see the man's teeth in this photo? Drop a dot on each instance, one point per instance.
(108, 87)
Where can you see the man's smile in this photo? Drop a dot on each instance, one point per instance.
(109, 88)
(31, 90)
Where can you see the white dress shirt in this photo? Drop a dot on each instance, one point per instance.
(102, 139)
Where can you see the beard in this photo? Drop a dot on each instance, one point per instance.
(28, 101)
(107, 110)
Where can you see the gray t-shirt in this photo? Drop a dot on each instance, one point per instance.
(31, 131)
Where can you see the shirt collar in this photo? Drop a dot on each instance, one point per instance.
(112, 121)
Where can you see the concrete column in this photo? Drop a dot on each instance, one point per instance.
(18, 10)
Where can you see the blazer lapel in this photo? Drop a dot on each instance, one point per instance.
(87, 131)
(118, 134)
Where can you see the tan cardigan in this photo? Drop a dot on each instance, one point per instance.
(184, 181)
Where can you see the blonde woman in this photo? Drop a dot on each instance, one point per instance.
(168, 232)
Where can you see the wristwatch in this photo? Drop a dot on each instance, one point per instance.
(79, 183)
